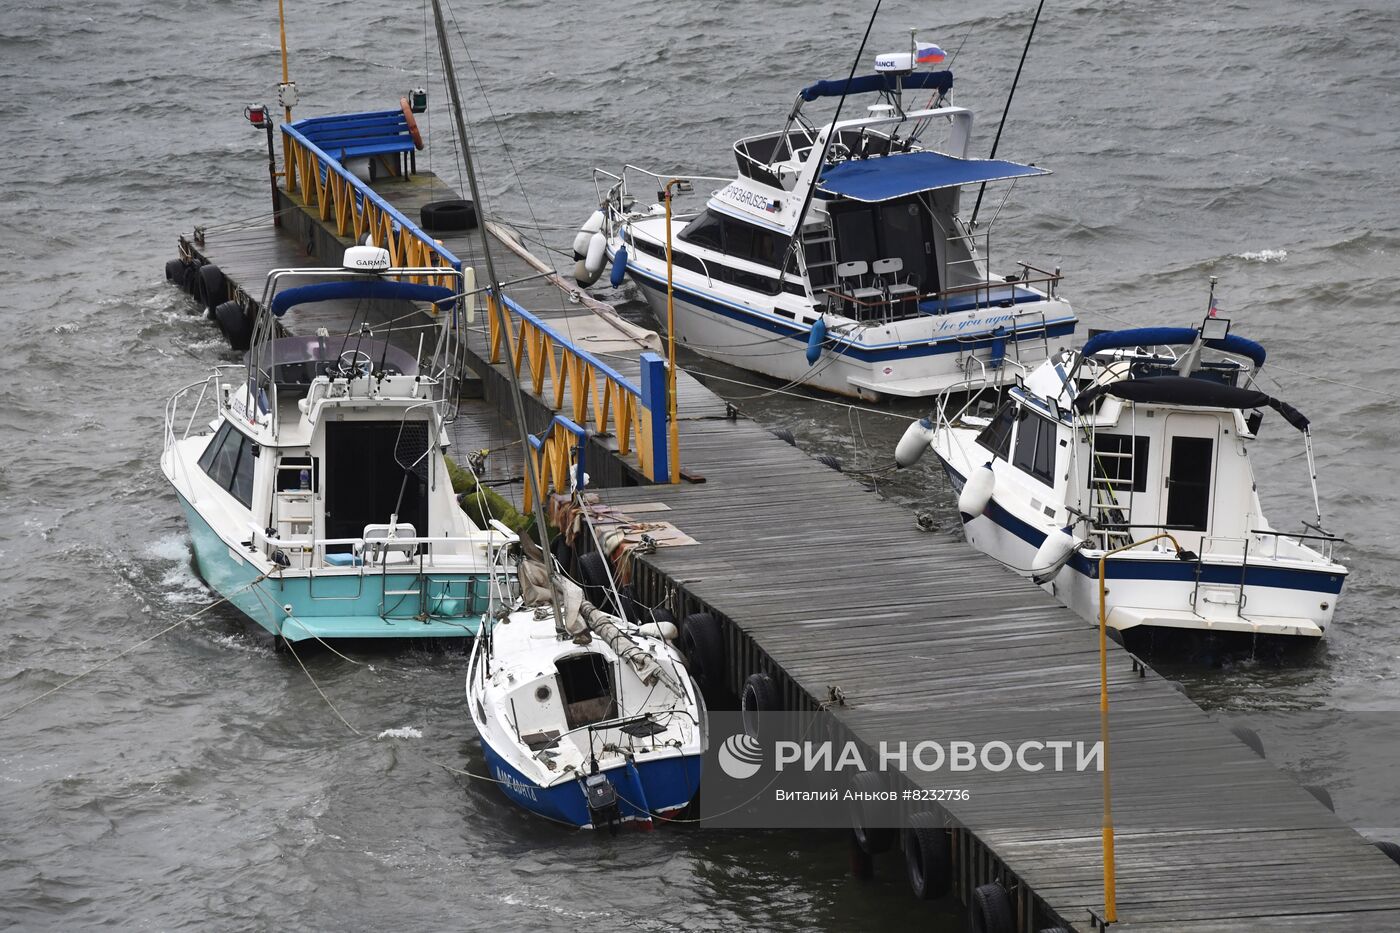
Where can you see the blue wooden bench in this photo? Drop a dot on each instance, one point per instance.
(385, 137)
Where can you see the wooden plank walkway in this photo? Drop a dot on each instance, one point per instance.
(821, 583)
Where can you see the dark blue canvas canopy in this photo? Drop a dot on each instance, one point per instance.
(886, 177)
(1181, 390)
(1171, 336)
(362, 289)
(885, 81)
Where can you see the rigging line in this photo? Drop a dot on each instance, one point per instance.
(826, 144)
(510, 159)
(291, 647)
(821, 401)
(1007, 109)
(116, 657)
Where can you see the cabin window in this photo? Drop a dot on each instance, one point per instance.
(1121, 461)
(705, 231)
(996, 436)
(585, 681)
(1035, 446)
(229, 460)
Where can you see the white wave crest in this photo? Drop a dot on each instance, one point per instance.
(402, 732)
(1264, 255)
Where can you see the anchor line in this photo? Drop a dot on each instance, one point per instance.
(123, 653)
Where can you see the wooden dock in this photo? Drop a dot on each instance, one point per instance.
(820, 583)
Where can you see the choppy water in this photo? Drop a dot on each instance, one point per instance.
(202, 782)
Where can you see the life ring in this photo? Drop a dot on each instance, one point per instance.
(412, 123)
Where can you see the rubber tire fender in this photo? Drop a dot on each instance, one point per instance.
(451, 214)
(1249, 737)
(875, 840)
(593, 574)
(702, 644)
(760, 696)
(991, 910)
(928, 858)
(175, 270)
(1321, 795)
(1391, 850)
(563, 554)
(213, 287)
(234, 323)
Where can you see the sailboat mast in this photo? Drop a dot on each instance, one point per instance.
(495, 292)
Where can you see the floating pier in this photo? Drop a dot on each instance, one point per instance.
(837, 596)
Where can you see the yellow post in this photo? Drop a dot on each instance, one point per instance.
(1110, 881)
(288, 166)
(674, 437)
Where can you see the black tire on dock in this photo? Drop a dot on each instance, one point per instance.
(703, 646)
(874, 839)
(175, 271)
(189, 276)
(593, 574)
(1322, 796)
(1391, 850)
(564, 554)
(991, 910)
(452, 214)
(1052, 930)
(213, 287)
(234, 323)
(862, 864)
(760, 696)
(928, 858)
(1249, 737)
(627, 606)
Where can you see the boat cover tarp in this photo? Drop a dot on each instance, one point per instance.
(894, 176)
(1171, 336)
(1183, 390)
(360, 290)
(941, 81)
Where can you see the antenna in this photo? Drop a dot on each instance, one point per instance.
(1007, 109)
(498, 305)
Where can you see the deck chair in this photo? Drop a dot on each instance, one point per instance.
(854, 285)
(887, 277)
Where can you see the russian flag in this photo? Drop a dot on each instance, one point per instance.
(926, 53)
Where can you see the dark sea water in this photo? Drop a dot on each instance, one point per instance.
(202, 782)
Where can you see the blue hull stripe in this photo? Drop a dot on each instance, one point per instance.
(666, 784)
(800, 333)
(1176, 570)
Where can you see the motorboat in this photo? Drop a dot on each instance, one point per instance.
(1133, 453)
(313, 474)
(841, 256)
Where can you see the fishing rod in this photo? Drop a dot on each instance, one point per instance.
(1007, 109)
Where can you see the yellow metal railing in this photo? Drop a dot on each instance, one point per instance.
(585, 389)
(346, 202)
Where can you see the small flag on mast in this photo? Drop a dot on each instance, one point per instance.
(1214, 308)
(926, 53)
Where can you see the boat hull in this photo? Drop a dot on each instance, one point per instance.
(1157, 590)
(743, 337)
(335, 604)
(645, 789)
